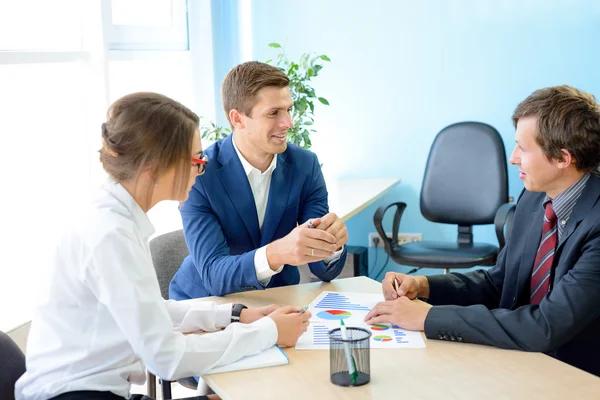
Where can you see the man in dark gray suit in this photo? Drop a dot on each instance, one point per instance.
(543, 294)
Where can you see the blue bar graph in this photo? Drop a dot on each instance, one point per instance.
(399, 336)
(338, 301)
(321, 334)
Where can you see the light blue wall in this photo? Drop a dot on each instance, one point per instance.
(226, 46)
(403, 70)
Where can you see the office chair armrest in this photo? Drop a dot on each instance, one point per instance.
(388, 243)
(503, 222)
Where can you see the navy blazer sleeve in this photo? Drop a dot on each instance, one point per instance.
(563, 313)
(314, 205)
(475, 287)
(221, 273)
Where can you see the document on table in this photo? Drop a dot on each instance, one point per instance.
(271, 357)
(331, 307)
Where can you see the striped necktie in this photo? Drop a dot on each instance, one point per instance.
(540, 276)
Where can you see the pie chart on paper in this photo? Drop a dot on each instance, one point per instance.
(379, 327)
(383, 338)
(334, 315)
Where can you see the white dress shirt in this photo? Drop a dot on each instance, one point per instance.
(260, 183)
(101, 317)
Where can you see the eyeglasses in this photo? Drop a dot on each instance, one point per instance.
(200, 163)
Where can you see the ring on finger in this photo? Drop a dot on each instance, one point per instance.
(312, 252)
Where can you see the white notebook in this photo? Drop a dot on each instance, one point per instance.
(268, 358)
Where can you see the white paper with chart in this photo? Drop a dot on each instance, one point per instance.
(331, 307)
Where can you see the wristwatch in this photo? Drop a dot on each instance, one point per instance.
(236, 312)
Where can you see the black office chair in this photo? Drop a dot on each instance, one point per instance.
(12, 366)
(168, 252)
(465, 183)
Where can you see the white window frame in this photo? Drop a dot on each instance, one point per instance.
(131, 37)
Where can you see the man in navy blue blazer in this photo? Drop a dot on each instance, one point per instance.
(543, 295)
(260, 210)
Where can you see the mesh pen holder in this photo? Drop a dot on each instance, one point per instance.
(358, 348)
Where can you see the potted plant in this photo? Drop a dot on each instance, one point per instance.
(303, 95)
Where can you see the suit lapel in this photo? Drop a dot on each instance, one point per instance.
(534, 235)
(281, 182)
(236, 184)
(584, 204)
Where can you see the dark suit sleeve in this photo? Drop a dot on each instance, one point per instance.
(221, 273)
(567, 310)
(314, 204)
(476, 287)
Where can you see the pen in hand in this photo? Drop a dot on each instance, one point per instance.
(303, 309)
(396, 286)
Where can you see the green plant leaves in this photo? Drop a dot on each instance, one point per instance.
(324, 101)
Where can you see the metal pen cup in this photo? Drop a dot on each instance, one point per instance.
(359, 347)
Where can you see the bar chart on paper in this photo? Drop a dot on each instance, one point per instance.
(331, 307)
(337, 300)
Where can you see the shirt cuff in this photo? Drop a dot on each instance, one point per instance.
(261, 265)
(193, 315)
(223, 317)
(336, 256)
(268, 326)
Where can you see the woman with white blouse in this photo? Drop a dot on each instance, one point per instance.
(101, 318)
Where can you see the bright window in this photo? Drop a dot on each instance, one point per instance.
(147, 25)
(58, 76)
(45, 168)
(54, 25)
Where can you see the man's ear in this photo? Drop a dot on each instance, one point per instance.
(235, 117)
(565, 160)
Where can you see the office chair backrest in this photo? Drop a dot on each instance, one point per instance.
(12, 366)
(168, 252)
(466, 178)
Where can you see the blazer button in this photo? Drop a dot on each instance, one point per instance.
(440, 337)
(460, 339)
(446, 337)
(452, 337)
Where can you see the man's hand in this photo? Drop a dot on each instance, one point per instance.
(331, 223)
(303, 245)
(405, 313)
(249, 315)
(408, 285)
(290, 324)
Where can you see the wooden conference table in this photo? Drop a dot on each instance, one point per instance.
(442, 370)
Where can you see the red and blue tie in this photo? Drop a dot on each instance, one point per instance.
(540, 276)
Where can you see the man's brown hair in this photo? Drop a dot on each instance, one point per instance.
(148, 132)
(567, 118)
(243, 82)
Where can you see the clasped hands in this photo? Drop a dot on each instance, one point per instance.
(306, 244)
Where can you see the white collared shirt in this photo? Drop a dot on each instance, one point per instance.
(260, 183)
(100, 317)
